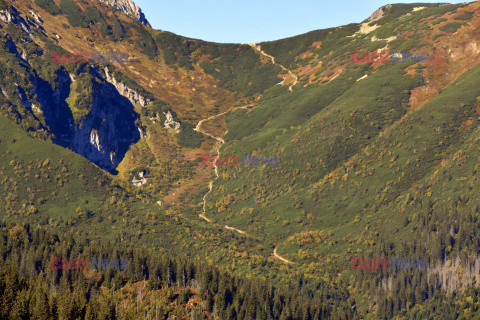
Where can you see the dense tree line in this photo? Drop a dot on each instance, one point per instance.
(31, 288)
(448, 239)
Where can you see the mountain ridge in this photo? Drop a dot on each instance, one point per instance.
(377, 159)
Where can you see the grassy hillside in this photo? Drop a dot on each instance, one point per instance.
(366, 169)
(376, 160)
(40, 171)
(45, 184)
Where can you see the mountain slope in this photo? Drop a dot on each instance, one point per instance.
(375, 159)
(130, 8)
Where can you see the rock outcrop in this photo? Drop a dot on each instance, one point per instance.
(378, 14)
(130, 8)
(104, 135)
(125, 91)
(11, 15)
(109, 129)
(140, 180)
(170, 122)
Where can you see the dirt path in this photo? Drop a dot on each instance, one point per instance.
(219, 143)
(281, 258)
(257, 47)
(204, 218)
(236, 230)
(216, 149)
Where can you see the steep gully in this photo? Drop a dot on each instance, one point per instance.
(216, 149)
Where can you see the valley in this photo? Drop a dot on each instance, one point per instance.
(375, 159)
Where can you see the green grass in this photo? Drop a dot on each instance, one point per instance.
(466, 16)
(238, 68)
(74, 14)
(353, 179)
(49, 6)
(70, 194)
(451, 27)
(25, 157)
(287, 50)
(328, 124)
(378, 198)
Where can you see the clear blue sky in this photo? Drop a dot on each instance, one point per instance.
(247, 21)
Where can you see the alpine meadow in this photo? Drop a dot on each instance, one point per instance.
(330, 175)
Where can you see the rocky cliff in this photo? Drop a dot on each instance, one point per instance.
(108, 130)
(104, 134)
(133, 96)
(129, 8)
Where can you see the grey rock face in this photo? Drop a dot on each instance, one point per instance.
(108, 130)
(170, 123)
(129, 8)
(11, 15)
(378, 14)
(104, 135)
(125, 91)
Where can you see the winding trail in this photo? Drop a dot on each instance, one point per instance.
(258, 48)
(219, 143)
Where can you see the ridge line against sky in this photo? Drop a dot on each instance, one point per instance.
(250, 21)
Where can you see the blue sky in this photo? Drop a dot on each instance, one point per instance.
(248, 21)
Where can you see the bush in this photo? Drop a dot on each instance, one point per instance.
(238, 68)
(466, 16)
(451, 27)
(117, 28)
(439, 21)
(176, 49)
(49, 6)
(85, 93)
(189, 138)
(400, 10)
(94, 15)
(74, 15)
(438, 35)
(3, 5)
(159, 108)
(146, 42)
(440, 10)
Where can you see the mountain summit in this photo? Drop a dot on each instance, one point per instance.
(130, 8)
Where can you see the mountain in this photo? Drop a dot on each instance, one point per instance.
(305, 163)
(130, 8)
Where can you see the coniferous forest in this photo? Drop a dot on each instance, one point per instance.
(151, 287)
